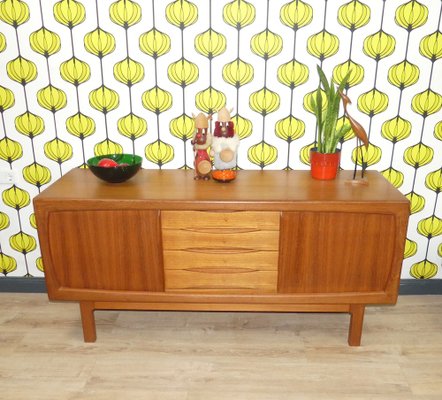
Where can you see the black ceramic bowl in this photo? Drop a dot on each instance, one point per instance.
(127, 166)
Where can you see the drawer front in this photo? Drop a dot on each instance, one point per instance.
(211, 220)
(223, 252)
(221, 281)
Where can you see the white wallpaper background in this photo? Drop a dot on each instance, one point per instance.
(80, 78)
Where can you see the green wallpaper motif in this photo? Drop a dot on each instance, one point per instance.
(80, 78)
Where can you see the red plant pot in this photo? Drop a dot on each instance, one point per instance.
(324, 166)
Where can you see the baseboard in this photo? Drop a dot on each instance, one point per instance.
(22, 285)
(420, 286)
(37, 285)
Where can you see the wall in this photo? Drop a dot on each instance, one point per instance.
(93, 77)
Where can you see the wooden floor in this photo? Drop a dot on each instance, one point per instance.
(204, 356)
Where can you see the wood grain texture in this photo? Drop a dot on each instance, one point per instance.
(219, 356)
(323, 243)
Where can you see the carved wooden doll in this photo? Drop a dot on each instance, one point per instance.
(201, 141)
(224, 149)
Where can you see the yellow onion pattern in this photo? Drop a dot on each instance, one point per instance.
(395, 177)
(4, 220)
(426, 103)
(10, 150)
(154, 43)
(125, 13)
(75, 71)
(2, 42)
(183, 72)
(354, 15)
(403, 74)
(7, 99)
(52, 98)
(16, 198)
(304, 154)
(356, 73)
(210, 43)
(293, 73)
(379, 45)
(262, 154)
(266, 44)
(296, 14)
(210, 100)
(433, 181)
(418, 155)
(238, 73)
(430, 227)
(45, 42)
(181, 13)
(128, 71)
(344, 121)
(39, 264)
(243, 126)
(438, 130)
(323, 45)
(290, 128)
(423, 270)
(29, 124)
(37, 174)
(182, 127)
(132, 126)
(21, 70)
(239, 13)
(264, 101)
(14, 12)
(157, 100)
(396, 129)
(104, 99)
(8, 264)
(159, 152)
(308, 101)
(370, 156)
(410, 248)
(411, 15)
(99, 42)
(23, 242)
(33, 220)
(58, 150)
(107, 146)
(69, 13)
(439, 250)
(373, 102)
(417, 202)
(80, 125)
(431, 46)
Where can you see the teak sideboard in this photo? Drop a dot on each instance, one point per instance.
(268, 241)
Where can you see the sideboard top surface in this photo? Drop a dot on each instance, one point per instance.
(163, 188)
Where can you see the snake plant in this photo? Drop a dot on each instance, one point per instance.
(327, 113)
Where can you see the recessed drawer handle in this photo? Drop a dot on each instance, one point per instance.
(220, 231)
(220, 270)
(223, 250)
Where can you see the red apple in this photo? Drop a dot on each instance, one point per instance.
(107, 163)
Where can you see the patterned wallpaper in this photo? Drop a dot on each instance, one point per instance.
(82, 78)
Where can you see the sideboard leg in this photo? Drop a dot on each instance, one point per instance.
(88, 321)
(356, 322)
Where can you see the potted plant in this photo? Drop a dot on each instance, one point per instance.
(325, 157)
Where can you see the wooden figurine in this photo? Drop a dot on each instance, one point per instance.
(224, 149)
(201, 141)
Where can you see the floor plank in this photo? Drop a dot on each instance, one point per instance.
(214, 356)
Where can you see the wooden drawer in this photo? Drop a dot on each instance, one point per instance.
(221, 281)
(226, 252)
(212, 220)
(230, 232)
